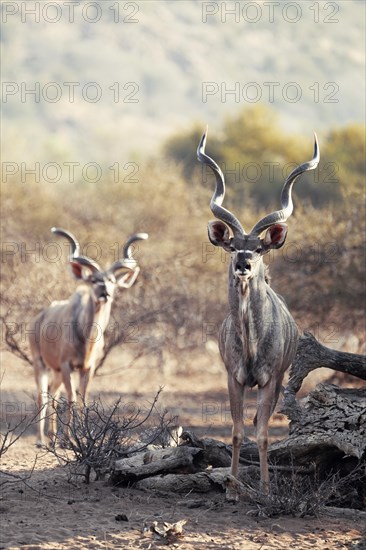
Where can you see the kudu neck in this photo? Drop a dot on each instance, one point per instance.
(252, 291)
(90, 300)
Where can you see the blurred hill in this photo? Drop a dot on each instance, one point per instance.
(149, 68)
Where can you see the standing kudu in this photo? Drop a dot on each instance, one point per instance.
(69, 335)
(258, 339)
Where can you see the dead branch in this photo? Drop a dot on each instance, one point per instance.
(8, 437)
(312, 355)
(12, 344)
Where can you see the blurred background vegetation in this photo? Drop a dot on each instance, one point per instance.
(180, 299)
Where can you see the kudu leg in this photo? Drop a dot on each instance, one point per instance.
(41, 376)
(266, 401)
(71, 395)
(86, 376)
(54, 391)
(236, 397)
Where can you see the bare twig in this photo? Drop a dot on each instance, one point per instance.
(10, 341)
(8, 437)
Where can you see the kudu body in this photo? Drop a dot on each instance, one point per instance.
(258, 339)
(69, 335)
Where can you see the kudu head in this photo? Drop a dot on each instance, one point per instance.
(122, 273)
(247, 250)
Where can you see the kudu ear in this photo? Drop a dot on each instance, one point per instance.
(80, 271)
(77, 270)
(275, 236)
(126, 280)
(219, 234)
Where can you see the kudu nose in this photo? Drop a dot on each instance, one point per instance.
(243, 266)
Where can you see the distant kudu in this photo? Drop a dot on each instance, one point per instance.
(69, 335)
(258, 339)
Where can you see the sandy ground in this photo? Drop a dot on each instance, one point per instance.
(49, 512)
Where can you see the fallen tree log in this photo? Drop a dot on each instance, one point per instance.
(197, 464)
(330, 423)
(330, 419)
(312, 355)
(249, 454)
(203, 482)
(157, 462)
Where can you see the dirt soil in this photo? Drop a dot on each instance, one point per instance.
(48, 512)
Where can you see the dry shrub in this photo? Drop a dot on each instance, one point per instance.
(299, 494)
(180, 298)
(98, 434)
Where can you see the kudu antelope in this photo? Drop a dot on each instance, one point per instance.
(69, 335)
(258, 338)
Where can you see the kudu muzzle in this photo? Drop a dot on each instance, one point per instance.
(244, 264)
